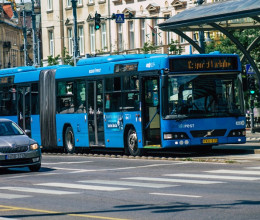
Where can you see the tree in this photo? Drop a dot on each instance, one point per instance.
(175, 47)
(149, 47)
(225, 45)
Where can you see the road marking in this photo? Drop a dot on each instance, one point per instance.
(74, 170)
(188, 175)
(254, 168)
(178, 195)
(174, 180)
(36, 190)
(12, 196)
(124, 183)
(59, 213)
(244, 172)
(81, 186)
(75, 162)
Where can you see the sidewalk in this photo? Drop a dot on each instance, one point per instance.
(252, 137)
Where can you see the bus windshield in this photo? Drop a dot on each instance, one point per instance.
(194, 96)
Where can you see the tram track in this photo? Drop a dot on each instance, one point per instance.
(217, 156)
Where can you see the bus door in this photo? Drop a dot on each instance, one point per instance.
(151, 111)
(24, 107)
(95, 113)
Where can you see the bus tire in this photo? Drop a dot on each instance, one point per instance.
(132, 144)
(69, 141)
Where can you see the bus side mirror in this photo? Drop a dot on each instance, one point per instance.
(164, 81)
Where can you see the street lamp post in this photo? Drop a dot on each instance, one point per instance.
(34, 35)
(24, 38)
(76, 47)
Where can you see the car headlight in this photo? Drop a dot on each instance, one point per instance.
(34, 146)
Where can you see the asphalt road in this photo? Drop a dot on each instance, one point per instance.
(88, 187)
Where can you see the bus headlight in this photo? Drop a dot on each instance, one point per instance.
(175, 136)
(34, 146)
(237, 133)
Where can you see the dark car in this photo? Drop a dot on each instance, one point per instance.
(16, 148)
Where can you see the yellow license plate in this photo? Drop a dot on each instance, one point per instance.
(210, 141)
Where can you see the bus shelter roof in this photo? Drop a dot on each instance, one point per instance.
(222, 16)
(230, 14)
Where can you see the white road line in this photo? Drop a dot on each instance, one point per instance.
(244, 172)
(188, 175)
(254, 168)
(81, 186)
(36, 190)
(174, 180)
(75, 162)
(178, 195)
(12, 196)
(126, 183)
(74, 170)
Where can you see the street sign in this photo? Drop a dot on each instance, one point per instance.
(249, 69)
(120, 18)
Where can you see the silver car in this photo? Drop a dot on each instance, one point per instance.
(16, 148)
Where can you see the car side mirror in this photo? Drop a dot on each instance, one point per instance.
(28, 132)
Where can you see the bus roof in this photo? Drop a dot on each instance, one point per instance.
(17, 70)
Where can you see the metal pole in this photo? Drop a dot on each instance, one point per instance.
(74, 8)
(34, 35)
(252, 124)
(201, 33)
(109, 24)
(24, 38)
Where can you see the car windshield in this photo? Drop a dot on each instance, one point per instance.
(8, 128)
(203, 96)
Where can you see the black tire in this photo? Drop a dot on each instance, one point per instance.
(132, 144)
(35, 168)
(69, 141)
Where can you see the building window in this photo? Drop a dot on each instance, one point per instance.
(69, 4)
(79, 2)
(81, 40)
(91, 1)
(49, 5)
(70, 42)
(51, 43)
(131, 35)
(104, 36)
(142, 32)
(92, 39)
(120, 37)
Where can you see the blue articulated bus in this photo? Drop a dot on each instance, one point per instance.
(139, 102)
(19, 97)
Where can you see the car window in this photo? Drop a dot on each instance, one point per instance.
(9, 128)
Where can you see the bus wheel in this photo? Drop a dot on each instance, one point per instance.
(132, 143)
(69, 141)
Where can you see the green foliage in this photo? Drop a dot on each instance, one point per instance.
(149, 47)
(67, 59)
(53, 60)
(175, 47)
(225, 45)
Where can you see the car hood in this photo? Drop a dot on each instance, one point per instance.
(18, 140)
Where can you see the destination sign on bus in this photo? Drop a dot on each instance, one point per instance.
(126, 67)
(203, 64)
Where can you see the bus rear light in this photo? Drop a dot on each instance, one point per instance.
(175, 136)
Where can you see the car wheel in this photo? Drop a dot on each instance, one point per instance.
(132, 143)
(69, 141)
(35, 168)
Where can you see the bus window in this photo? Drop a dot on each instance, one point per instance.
(8, 101)
(113, 94)
(35, 99)
(65, 97)
(80, 104)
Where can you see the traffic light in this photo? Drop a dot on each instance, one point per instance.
(97, 21)
(251, 84)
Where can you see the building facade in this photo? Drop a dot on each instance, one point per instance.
(140, 26)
